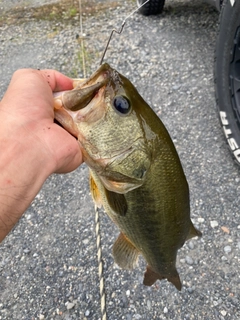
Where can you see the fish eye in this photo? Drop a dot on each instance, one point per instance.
(122, 104)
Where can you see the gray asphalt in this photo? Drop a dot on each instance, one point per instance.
(48, 263)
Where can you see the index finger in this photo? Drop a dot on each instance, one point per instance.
(56, 80)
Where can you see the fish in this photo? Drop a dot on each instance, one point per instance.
(135, 171)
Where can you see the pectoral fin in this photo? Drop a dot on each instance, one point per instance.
(150, 277)
(124, 252)
(117, 202)
(193, 232)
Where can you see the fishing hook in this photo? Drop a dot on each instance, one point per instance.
(120, 30)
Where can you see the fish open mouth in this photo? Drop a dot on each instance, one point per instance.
(76, 103)
(79, 98)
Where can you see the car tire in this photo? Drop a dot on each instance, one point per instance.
(227, 74)
(151, 7)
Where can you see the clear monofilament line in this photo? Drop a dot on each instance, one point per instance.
(119, 31)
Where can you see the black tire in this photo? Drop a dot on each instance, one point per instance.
(227, 74)
(152, 7)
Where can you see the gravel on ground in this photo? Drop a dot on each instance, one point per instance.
(48, 263)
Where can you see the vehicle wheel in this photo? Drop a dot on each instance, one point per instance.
(227, 74)
(152, 7)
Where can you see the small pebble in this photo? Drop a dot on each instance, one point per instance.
(189, 260)
(177, 87)
(87, 313)
(26, 250)
(191, 245)
(227, 249)
(190, 290)
(225, 229)
(213, 223)
(165, 310)
(41, 317)
(149, 305)
(70, 305)
(85, 241)
(223, 313)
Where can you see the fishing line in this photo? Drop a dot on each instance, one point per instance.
(81, 39)
(100, 266)
(120, 30)
(97, 222)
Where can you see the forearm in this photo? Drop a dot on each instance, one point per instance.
(22, 173)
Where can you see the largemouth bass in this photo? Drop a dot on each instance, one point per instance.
(135, 171)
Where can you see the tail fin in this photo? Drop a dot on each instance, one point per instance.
(151, 276)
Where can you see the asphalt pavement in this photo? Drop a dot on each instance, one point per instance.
(48, 263)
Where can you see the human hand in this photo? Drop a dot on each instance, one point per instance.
(32, 146)
(27, 115)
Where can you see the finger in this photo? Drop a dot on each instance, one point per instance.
(56, 80)
(30, 82)
(70, 163)
(67, 154)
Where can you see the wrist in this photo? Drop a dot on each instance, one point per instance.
(24, 151)
(22, 174)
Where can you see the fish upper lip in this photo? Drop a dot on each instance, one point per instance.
(101, 74)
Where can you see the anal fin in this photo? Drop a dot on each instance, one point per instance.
(124, 252)
(150, 277)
